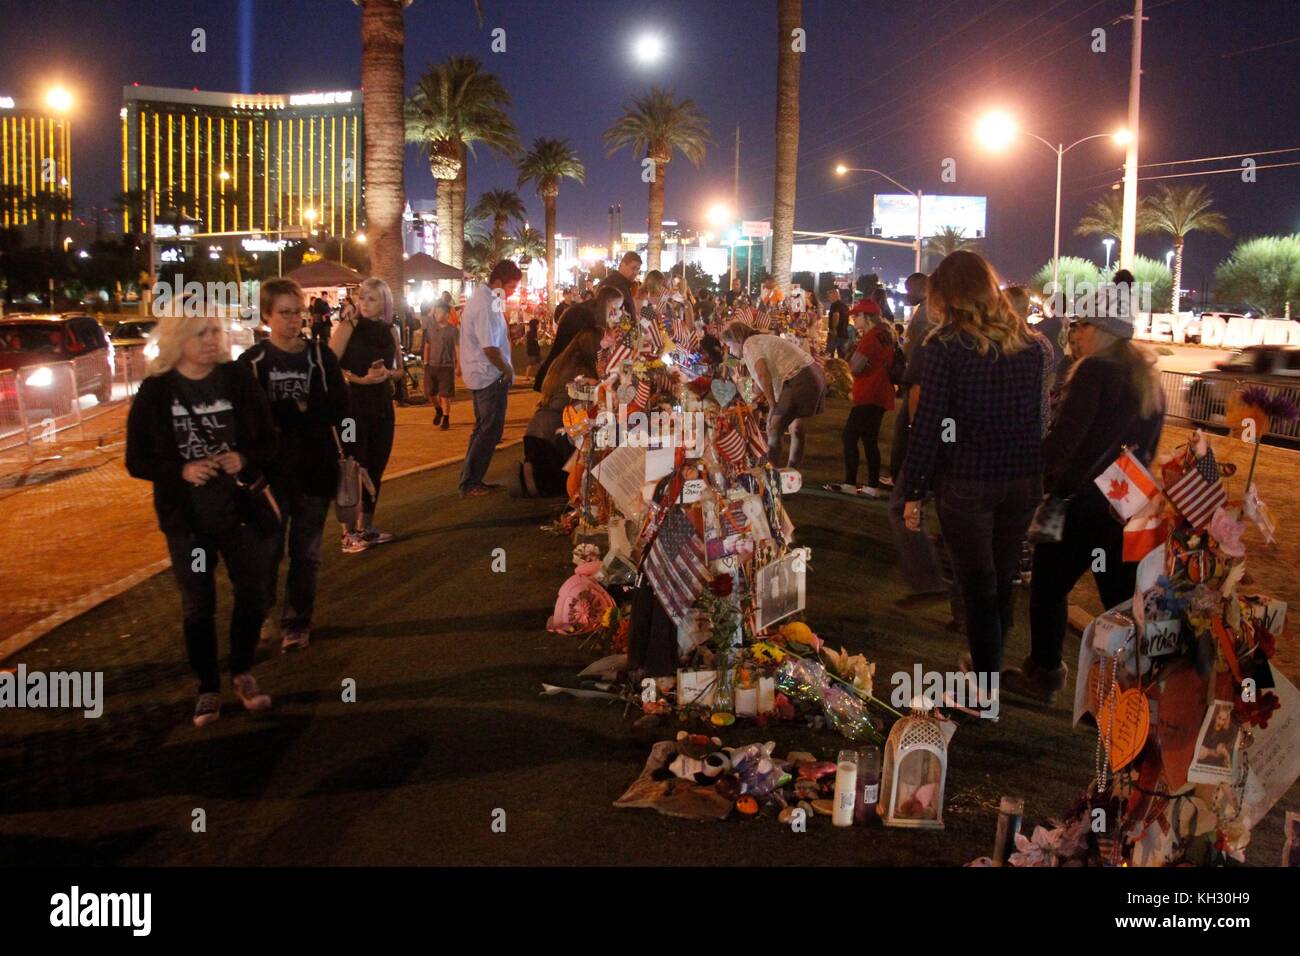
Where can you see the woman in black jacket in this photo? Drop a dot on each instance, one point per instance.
(1111, 400)
(197, 428)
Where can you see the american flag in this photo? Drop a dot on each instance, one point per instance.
(618, 354)
(675, 566)
(652, 336)
(1199, 492)
(763, 320)
(730, 443)
(684, 333)
(755, 437)
(743, 313)
(642, 398)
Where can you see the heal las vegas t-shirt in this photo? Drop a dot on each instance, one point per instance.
(203, 426)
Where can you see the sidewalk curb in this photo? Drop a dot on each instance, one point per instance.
(34, 632)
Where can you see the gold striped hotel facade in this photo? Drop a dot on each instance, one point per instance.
(35, 160)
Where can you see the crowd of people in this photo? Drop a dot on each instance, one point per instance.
(245, 457)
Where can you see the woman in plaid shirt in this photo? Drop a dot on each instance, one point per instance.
(976, 440)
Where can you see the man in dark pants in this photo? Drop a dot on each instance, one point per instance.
(486, 368)
(309, 400)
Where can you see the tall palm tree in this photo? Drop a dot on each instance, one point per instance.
(656, 124)
(948, 240)
(501, 206)
(528, 243)
(479, 258)
(788, 17)
(454, 106)
(383, 77)
(49, 208)
(1177, 211)
(548, 162)
(1106, 216)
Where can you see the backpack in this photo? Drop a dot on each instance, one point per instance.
(898, 367)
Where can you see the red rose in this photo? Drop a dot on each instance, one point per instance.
(721, 585)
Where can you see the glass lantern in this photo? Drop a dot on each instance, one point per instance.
(916, 766)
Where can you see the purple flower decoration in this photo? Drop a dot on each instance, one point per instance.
(1274, 405)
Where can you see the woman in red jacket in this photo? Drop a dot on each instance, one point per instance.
(873, 395)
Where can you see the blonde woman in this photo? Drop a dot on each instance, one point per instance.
(367, 348)
(198, 425)
(976, 441)
(1111, 400)
(787, 377)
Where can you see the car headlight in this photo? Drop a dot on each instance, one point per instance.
(43, 377)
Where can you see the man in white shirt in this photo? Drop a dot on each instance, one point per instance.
(486, 368)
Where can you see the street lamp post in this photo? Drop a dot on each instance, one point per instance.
(1108, 242)
(997, 130)
(841, 169)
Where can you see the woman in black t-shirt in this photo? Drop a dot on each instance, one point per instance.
(198, 425)
(367, 349)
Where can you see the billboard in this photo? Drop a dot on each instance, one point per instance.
(893, 215)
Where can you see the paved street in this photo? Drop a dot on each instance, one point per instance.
(449, 726)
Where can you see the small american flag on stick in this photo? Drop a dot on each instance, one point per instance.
(1199, 492)
(730, 443)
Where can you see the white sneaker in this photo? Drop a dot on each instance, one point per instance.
(866, 491)
(207, 709)
(250, 694)
(354, 543)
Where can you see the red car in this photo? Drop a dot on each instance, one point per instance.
(32, 345)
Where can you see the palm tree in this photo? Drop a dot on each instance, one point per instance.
(52, 208)
(948, 240)
(656, 124)
(789, 14)
(528, 243)
(456, 105)
(479, 258)
(1177, 211)
(383, 77)
(1106, 217)
(499, 205)
(549, 161)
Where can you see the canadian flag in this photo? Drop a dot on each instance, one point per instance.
(1144, 533)
(1127, 485)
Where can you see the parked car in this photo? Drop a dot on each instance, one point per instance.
(133, 332)
(33, 345)
(1205, 396)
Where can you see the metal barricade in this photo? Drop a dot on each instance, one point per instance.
(1203, 402)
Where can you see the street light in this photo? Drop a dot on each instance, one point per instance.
(997, 129)
(58, 99)
(648, 48)
(1169, 258)
(841, 169)
(1108, 242)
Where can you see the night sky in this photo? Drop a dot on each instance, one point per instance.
(894, 85)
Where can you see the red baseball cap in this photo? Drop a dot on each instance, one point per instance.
(865, 305)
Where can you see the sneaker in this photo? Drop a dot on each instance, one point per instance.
(250, 694)
(886, 482)
(354, 543)
(207, 709)
(868, 491)
(270, 629)
(295, 639)
(437, 415)
(373, 537)
(446, 423)
(479, 491)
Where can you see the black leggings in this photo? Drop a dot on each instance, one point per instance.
(374, 442)
(1092, 539)
(863, 425)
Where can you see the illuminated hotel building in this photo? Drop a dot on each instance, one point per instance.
(35, 159)
(244, 162)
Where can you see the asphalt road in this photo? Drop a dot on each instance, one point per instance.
(448, 726)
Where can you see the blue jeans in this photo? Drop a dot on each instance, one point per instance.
(304, 518)
(489, 423)
(984, 524)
